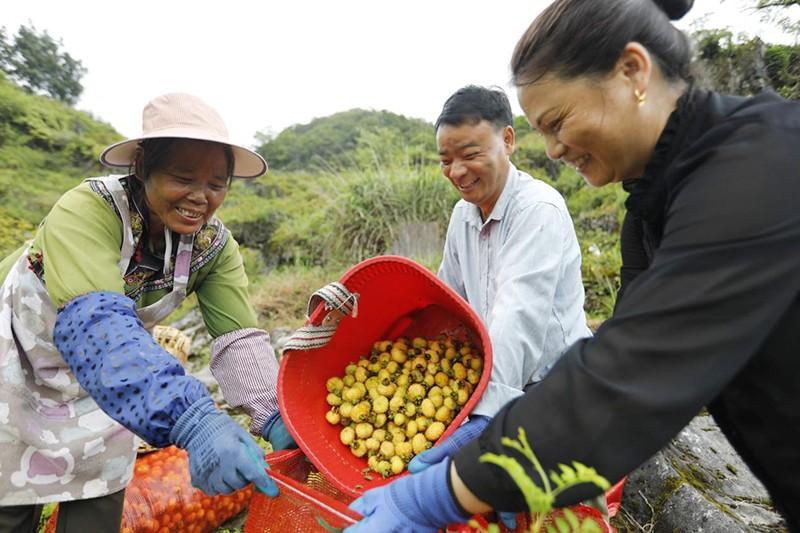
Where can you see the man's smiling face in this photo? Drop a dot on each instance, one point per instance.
(475, 158)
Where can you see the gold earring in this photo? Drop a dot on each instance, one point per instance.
(641, 96)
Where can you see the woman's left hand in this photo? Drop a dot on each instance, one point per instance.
(276, 433)
(418, 503)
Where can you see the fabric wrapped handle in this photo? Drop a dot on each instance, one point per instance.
(326, 308)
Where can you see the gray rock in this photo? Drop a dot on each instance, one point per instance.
(189, 322)
(205, 377)
(697, 483)
(743, 73)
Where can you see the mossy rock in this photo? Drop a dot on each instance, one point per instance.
(698, 483)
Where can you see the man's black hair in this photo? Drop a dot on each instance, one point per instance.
(472, 104)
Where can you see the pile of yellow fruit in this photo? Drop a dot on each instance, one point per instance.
(397, 401)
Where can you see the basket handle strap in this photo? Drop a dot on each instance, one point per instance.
(326, 307)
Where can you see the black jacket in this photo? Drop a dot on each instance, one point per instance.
(709, 314)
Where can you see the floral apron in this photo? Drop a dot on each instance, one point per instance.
(56, 444)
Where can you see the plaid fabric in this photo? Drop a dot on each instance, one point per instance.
(336, 296)
(244, 364)
(338, 302)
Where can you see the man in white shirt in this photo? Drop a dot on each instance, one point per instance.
(511, 252)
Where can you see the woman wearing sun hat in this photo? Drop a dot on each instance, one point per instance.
(79, 372)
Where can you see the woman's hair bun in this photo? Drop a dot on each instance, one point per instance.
(675, 9)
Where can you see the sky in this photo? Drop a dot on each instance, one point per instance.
(266, 65)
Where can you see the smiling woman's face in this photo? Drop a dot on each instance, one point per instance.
(592, 125)
(186, 190)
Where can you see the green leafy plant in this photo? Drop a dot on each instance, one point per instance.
(540, 497)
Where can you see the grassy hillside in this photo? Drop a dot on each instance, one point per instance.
(45, 149)
(342, 188)
(338, 140)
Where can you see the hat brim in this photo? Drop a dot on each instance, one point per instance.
(247, 163)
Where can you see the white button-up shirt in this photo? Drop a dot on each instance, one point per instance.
(521, 271)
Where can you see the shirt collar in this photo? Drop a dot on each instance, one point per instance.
(499, 209)
(147, 259)
(136, 196)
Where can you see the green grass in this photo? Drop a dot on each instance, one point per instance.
(281, 296)
(45, 149)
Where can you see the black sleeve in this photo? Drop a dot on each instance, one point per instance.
(727, 269)
(634, 257)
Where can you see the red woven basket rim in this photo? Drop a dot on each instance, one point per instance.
(328, 461)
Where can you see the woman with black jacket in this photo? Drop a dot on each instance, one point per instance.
(709, 309)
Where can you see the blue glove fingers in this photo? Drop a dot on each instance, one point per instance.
(276, 433)
(235, 478)
(377, 513)
(207, 483)
(467, 432)
(283, 442)
(509, 520)
(470, 430)
(198, 482)
(222, 482)
(429, 457)
(244, 466)
(366, 504)
(418, 503)
(222, 456)
(260, 478)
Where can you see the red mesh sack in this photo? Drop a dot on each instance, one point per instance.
(160, 498)
(396, 297)
(307, 500)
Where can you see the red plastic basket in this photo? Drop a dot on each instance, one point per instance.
(396, 297)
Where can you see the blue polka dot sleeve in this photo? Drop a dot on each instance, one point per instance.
(118, 363)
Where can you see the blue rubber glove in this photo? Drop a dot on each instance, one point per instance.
(276, 433)
(222, 456)
(467, 432)
(509, 520)
(421, 503)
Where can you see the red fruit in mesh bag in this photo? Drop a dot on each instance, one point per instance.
(160, 498)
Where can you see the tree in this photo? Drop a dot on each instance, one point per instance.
(5, 49)
(35, 62)
(746, 66)
(765, 4)
(783, 13)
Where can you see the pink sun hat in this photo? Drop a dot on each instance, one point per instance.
(183, 116)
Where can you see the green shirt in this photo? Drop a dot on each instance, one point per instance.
(76, 250)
